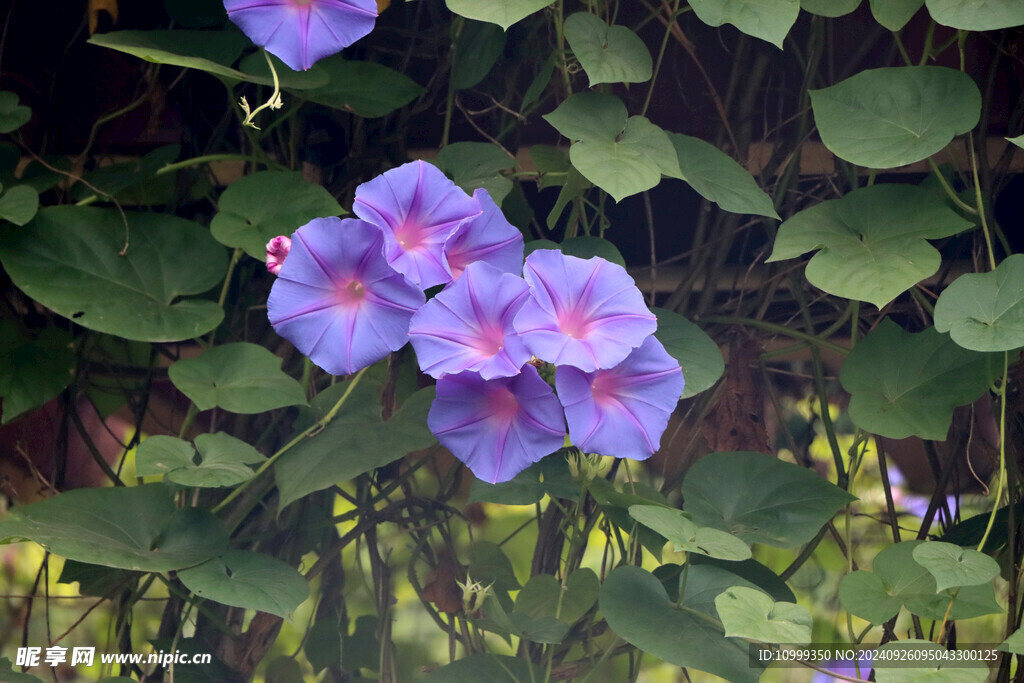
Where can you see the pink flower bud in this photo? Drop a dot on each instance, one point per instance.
(277, 251)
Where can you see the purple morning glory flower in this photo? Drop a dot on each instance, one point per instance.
(488, 238)
(497, 427)
(418, 208)
(338, 300)
(624, 410)
(301, 32)
(585, 313)
(468, 326)
(277, 252)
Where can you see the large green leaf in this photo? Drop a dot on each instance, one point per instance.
(933, 669)
(872, 241)
(222, 460)
(913, 585)
(8, 674)
(829, 8)
(904, 384)
(697, 353)
(864, 594)
(136, 528)
(985, 311)
(210, 51)
(750, 613)
(69, 259)
(356, 441)
(977, 15)
(12, 115)
(638, 610)
(473, 165)
(1014, 643)
(765, 19)
(242, 578)
(490, 566)
(953, 566)
(678, 529)
(238, 377)
(263, 205)
(894, 14)
(889, 117)
(767, 500)
(719, 178)
(132, 181)
(544, 595)
(476, 50)
(504, 13)
(255, 69)
(622, 155)
(609, 54)
(364, 88)
(32, 371)
(19, 204)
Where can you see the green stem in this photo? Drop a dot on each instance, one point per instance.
(661, 55)
(1002, 452)
(949, 190)
(319, 424)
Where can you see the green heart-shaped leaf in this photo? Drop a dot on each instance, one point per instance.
(862, 593)
(677, 528)
(137, 528)
(985, 311)
(881, 118)
(251, 213)
(473, 165)
(609, 54)
(504, 13)
(210, 51)
(750, 613)
(768, 20)
(697, 353)
(364, 88)
(872, 241)
(241, 578)
(223, 460)
(977, 15)
(32, 371)
(953, 566)
(638, 610)
(19, 204)
(69, 259)
(767, 500)
(829, 8)
(719, 178)
(239, 377)
(894, 14)
(904, 384)
(12, 115)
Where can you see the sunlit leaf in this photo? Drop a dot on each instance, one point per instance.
(872, 241)
(69, 259)
(953, 566)
(678, 529)
(904, 384)
(985, 311)
(881, 118)
(864, 594)
(749, 613)
(934, 667)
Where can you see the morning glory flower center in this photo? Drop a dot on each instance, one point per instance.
(351, 293)
(503, 405)
(303, 3)
(574, 324)
(604, 388)
(409, 236)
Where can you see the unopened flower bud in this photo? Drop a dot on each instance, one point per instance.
(277, 251)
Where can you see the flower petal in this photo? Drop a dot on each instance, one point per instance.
(418, 208)
(622, 411)
(300, 34)
(468, 326)
(584, 313)
(497, 427)
(488, 238)
(337, 300)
